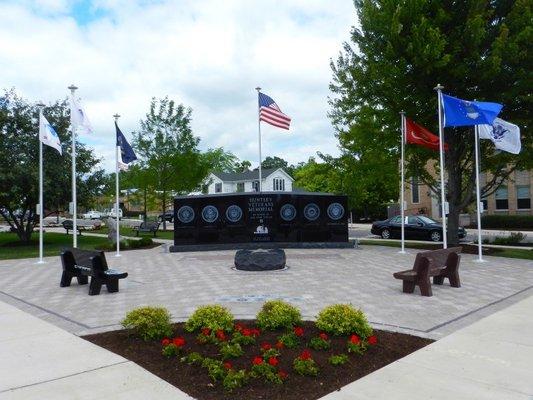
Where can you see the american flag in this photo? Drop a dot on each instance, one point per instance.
(271, 113)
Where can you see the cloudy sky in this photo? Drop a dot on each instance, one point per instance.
(207, 54)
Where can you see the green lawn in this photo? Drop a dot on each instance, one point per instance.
(124, 231)
(10, 247)
(496, 252)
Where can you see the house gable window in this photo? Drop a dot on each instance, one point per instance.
(279, 184)
(523, 197)
(218, 187)
(240, 187)
(255, 186)
(502, 198)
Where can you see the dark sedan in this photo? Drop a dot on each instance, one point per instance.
(418, 227)
(169, 216)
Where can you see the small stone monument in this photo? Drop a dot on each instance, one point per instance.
(112, 226)
(260, 260)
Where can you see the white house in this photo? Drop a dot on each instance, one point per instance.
(273, 180)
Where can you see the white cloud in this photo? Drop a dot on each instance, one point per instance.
(208, 54)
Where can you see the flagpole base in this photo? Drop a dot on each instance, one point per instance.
(480, 260)
(118, 255)
(41, 262)
(402, 252)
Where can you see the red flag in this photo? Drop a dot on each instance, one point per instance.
(417, 134)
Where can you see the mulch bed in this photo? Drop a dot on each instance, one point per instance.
(195, 381)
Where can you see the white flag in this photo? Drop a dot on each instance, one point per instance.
(79, 118)
(48, 135)
(504, 135)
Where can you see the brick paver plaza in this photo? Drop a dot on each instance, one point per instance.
(315, 278)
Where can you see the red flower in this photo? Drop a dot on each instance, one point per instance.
(257, 360)
(206, 331)
(266, 346)
(165, 341)
(279, 345)
(228, 365)
(372, 340)
(282, 374)
(239, 327)
(178, 341)
(246, 332)
(273, 361)
(323, 336)
(298, 331)
(220, 335)
(255, 331)
(355, 339)
(306, 355)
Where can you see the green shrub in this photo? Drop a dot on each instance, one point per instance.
(507, 222)
(228, 350)
(317, 343)
(290, 340)
(343, 319)
(239, 338)
(512, 239)
(235, 379)
(277, 314)
(213, 316)
(149, 323)
(339, 359)
(171, 350)
(215, 369)
(193, 358)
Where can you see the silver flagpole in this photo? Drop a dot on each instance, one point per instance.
(41, 208)
(116, 116)
(402, 180)
(74, 205)
(259, 130)
(478, 197)
(439, 88)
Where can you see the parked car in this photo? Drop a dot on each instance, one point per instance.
(92, 214)
(112, 213)
(418, 227)
(168, 215)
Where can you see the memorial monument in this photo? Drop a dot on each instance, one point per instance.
(260, 220)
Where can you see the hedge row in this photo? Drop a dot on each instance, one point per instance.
(507, 222)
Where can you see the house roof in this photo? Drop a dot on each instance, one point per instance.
(245, 176)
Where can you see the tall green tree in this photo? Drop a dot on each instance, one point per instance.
(169, 151)
(221, 160)
(399, 51)
(19, 164)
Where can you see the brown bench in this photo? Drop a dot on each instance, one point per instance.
(439, 264)
(147, 227)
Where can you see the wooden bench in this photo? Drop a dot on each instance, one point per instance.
(439, 264)
(86, 263)
(146, 227)
(69, 226)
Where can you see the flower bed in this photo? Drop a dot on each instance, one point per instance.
(246, 362)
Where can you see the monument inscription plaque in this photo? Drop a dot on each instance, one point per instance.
(266, 219)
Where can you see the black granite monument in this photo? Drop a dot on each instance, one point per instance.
(260, 220)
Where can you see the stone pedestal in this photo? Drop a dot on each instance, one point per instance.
(260, 260)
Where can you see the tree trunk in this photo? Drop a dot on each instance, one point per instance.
(164, 210)
(145, 205)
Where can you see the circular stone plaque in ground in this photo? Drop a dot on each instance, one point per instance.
(260, 260)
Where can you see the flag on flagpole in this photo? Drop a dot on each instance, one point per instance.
(504, 135)
(127, 155)
(270, 113)
(79, 118)
(48, 135)
(458, 112)
(419, 135)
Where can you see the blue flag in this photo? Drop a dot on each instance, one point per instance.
(458, 112)
(126, 152)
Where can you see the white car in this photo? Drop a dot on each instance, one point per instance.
(113, 214)
(92, 215)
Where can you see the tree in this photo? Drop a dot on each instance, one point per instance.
(19, 164)
(169, 151)
(244, 166)
(278, 162)
(477, 49)
(317, 177)
(221, 161)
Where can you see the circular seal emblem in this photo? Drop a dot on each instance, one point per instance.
(335, 211)
(311, 212)
(287, 212)
(185, 214)
(233, 213)
(209, 214)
